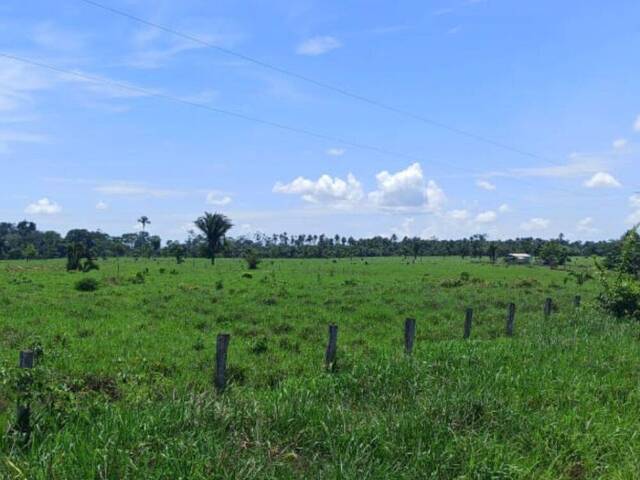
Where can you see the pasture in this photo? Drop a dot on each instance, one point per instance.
(123, 387)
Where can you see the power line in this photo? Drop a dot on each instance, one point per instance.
(326, 86)
(249, 118)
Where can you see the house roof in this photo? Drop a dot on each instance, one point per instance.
(520, 255)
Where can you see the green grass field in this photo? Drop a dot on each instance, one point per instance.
(124, 386)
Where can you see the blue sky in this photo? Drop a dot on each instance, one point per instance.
(557, 81)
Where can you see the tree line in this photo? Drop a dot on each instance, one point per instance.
(24, 241)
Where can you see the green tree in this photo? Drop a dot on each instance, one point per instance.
(144, 221)
(214, 226)
(29, 252)
(553, 254)
(630, 253)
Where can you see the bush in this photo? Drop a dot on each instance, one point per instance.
(138, 278)
(86, 285)
(252, 259)
(621, 298)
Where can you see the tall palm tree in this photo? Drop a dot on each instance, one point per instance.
(144, 221)
(214, 226)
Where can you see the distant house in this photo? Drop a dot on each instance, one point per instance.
(519, 258)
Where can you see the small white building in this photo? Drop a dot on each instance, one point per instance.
(521, 258)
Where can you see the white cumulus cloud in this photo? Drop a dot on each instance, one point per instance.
(44, 206)
(504, 208)
(485, 185)
(318, 45)
(535, 224)
(602, 180)
(329, 190)
(101, 206)
(586, 225)
(407, 189)
(402, 191)
(636, 124)
(218, 198)
(486, 217)
(459, 215)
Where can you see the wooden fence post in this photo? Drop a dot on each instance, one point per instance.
(222, 345)
(409, 334)
(332, 348)
(24, 408)
(511, 315)
(548, 306)
(467, 323)
(576, 301)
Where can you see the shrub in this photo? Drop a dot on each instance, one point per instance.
(621, 298)
(252, 259)
(451, 283)
(138, 278)
(86, 285)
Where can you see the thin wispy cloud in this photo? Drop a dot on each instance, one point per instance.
(9, 137)
(318, 45)
(218, 199)
(336, 152)
(128, 189)
(19, 83)
(152, 48)
(485, 185)
(49, 36)
(620, 144)
(389, 29)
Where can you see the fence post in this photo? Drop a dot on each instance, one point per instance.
(409, 334)
(332, 348)
(467, 323)
(548, 305)
(511, 315)
(576, 301)
(222, 345)
(24, 408)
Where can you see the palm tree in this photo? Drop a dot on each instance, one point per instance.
(214, 226)
(144, 221)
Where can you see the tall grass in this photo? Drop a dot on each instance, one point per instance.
(124, 389)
